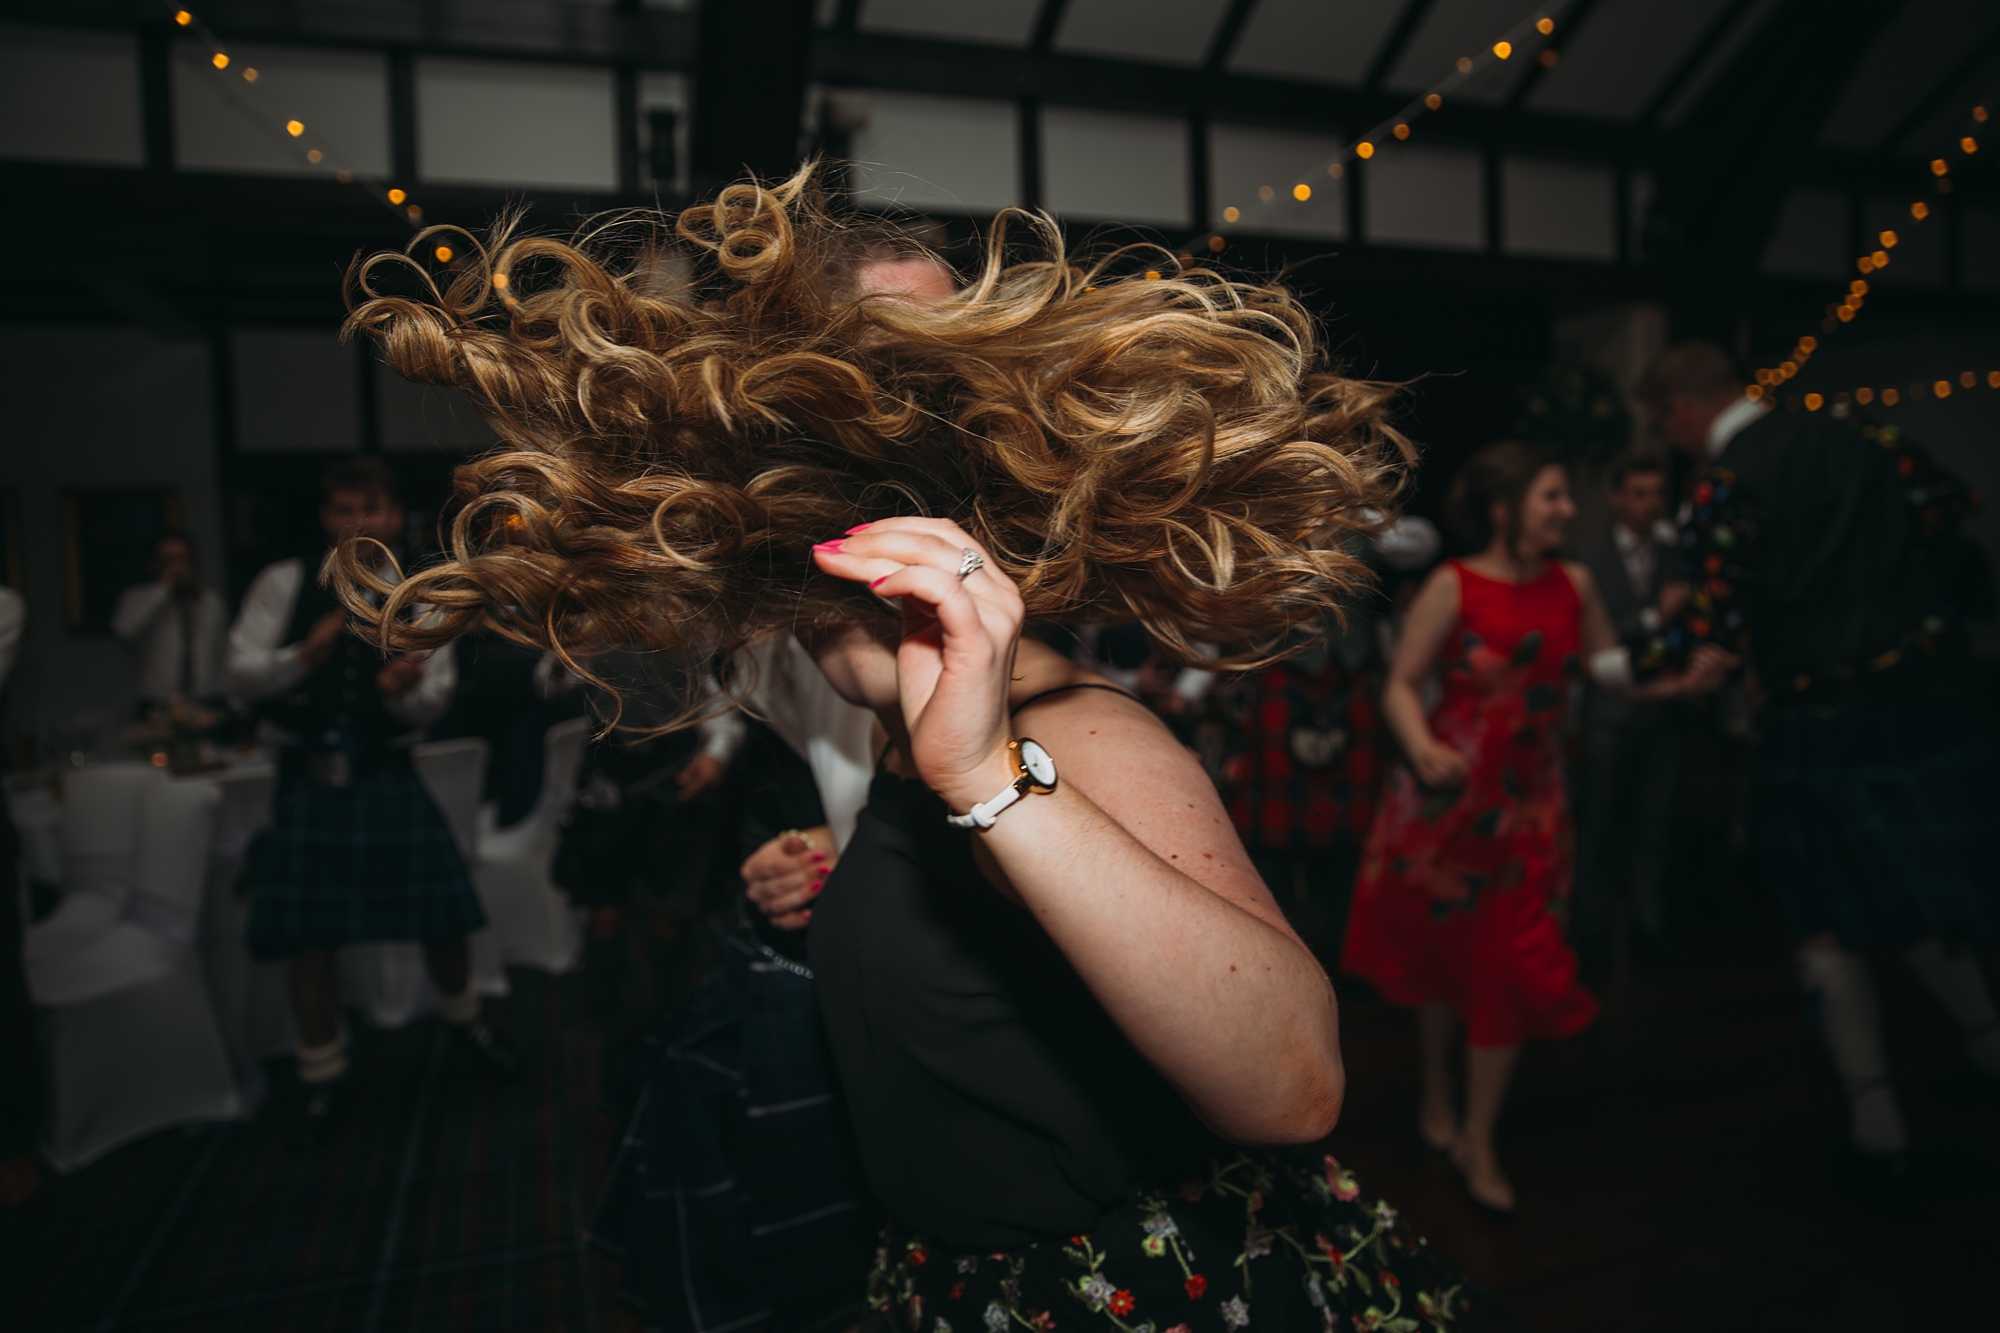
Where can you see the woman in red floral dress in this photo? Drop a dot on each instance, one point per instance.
(1458, 909)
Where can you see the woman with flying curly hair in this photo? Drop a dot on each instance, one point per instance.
(1083, 1052)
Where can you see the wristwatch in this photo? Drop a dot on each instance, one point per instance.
(1034, 771)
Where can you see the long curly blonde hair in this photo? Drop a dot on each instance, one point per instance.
(686, 405)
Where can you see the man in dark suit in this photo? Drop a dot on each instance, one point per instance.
(1875, 796)
(1631, 748)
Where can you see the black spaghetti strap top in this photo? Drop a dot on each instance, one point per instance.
(994, 1100)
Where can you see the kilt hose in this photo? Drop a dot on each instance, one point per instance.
(1879, 825)
(371, 861)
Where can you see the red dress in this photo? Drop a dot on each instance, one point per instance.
(1462, 893)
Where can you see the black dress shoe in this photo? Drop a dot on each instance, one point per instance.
(319, 1114)
(491, 1049)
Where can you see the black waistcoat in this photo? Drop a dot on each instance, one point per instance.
(336, 706)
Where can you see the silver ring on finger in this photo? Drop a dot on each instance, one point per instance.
(969, 562)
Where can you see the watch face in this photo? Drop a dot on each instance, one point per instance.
(1035, 761)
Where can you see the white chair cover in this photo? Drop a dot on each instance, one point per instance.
(252, 1007)
(388, 981)
(532, 919)
(100, 826)
(133, 1046)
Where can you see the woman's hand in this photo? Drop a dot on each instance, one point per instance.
(1438, 766)
(956, 658)
(1707, 669)
(784, 876)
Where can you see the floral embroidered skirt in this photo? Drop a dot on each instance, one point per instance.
(1271, 1241)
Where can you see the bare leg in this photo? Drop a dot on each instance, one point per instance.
(1488, 1069)
(1437, 1117)
(450, 964)
(315, 997)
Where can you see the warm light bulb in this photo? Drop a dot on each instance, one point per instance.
(1864, 396)
(1335, 170)
(314, 156)
(1993, 379)
(443, 253)
(1865, 264)
(1939, 166)
(1402, 131)
(182, 17)
(1753, 391)
(1788, 369)
(1302, 192)
(1433, 101)
(1548, 57)
(1152, 275)
(250, 74)
(1969, 144)
(1888, 239)
(1216, 243)
(1809, 344)
(1266, 193)
(1846, 314)
(1920, 210)
(343, 175)
(1979, 114)
(1231, 213)
(295, 128)
(1942, 388)
(1364, 150)
(1545, 26)
(1881, 258)
(219, 60)
(1889, 397)
(1503, 49)
(1967, 380)
(397, 196)
(1814, 402)
(500, 281)
(1859, 287)
(414, 213)
(1464, 65)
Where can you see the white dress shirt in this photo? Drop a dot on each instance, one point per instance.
(179, 644)
(836, 738)
(262, 664)
(1641, 563)
(1729, 423)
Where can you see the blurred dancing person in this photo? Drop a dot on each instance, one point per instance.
(1074, 1029)
(357, 851)
(1875, 797)
(20, 1055)
(1631, 747)
(1458, 912)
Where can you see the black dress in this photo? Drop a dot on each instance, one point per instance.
(1036, 1170)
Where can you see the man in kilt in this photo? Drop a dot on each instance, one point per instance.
(357, 852)
(1813, 546)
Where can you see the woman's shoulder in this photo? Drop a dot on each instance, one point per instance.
(1578, 578)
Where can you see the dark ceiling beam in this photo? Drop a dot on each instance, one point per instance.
(1567, 27)
(1399, 38)
(1047, 19)
(547, 30)
(1950, 86)
(1227, 33)
(848, 17)
(1693, 59)
(1726, 176)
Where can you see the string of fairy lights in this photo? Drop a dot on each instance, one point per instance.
(241, 84)
(1537, 27)
(1770, 379)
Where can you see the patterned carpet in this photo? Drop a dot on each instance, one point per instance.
(450, 1202)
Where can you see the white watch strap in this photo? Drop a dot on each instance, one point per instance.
(981, 816)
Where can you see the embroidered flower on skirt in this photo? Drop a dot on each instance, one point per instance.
(1270, 1240)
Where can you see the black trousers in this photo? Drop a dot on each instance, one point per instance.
(1630, 769)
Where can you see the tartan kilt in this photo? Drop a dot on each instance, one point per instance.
(1880, 825)
(371, 861)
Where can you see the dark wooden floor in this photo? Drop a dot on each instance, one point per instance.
(1673, 1165)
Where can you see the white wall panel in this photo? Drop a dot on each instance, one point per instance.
(949, 153)
(69, 96)
(222, 123)
(1425, 196)
(1114, 167)
(1314, 39)
(1564, 210)
(1243, 159)
(490, 122)
(1004, 22)
(1810, 238)
(1170, 32)
(295, 392)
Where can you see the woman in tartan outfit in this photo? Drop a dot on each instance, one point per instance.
(1087, 1062)
(357, 851)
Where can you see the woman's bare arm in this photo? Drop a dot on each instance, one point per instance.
(1134, 869)
(1431, 617)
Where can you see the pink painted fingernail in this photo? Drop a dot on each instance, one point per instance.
(827, 546)
(820, 857)
(879, 582)
(858, 527)
(806, 915)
